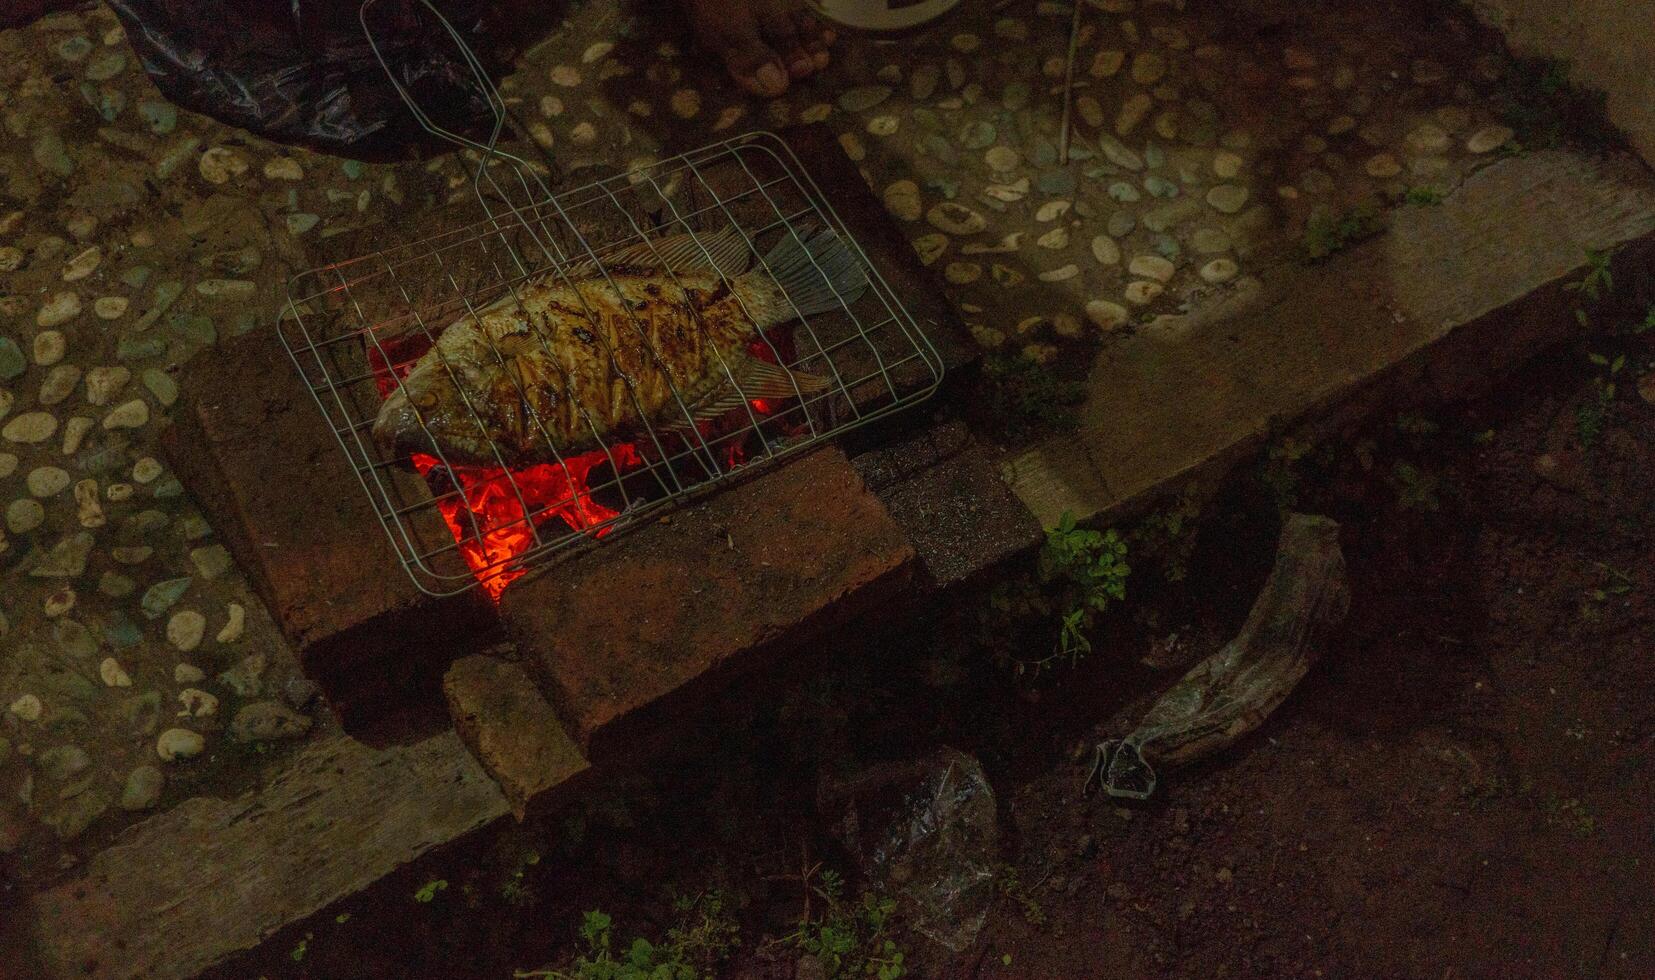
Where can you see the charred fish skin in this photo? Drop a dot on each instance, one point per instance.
(562, 363)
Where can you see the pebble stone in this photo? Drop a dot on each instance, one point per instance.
(902, 199)
(83, 264)
(74, 434)
(235, 625)
(185, 629)
(24, 515)
(686, 103)
(1143, 292)
(1219, 271)
(1227, 198)
(146, 469)
(58, 310)
(179, 743)
(956, 219)
(197, 703)
(188, 674)
(1488, 139)
(30, 427)
(113, 674)
(1383, 165)
(1106, 315)
(49, 347)
(1105, 250)
(130, 415)
(27, 707)
(12, 362)
(104, 383)
(59, 384)
(1152, 267)
(220, 164)
(283, 168)
(142, 789)
(47, 481)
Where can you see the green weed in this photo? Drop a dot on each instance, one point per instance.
(849, 939)
(705, 937)
(1025, 397)
(1415, 488)
(1168, 535)
(1078, 573)
(1327, 234)
(427, 892)
(1593, 414)
(1424, 196)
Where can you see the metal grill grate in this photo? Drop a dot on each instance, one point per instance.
(354, 329)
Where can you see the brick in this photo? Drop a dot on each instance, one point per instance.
(502, 717)
(250, 445)
(643, 630)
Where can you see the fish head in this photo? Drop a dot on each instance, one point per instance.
(442, 407)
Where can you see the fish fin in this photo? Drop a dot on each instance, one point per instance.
(724, 252)
(755, 380)
(817, 271)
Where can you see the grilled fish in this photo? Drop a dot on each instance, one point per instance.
(659, 335)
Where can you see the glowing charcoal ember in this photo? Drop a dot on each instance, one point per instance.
(493, 512)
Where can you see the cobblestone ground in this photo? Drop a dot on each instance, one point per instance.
(137, 667)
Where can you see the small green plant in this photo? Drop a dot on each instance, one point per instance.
(1593, 414)
(1424, 196)
(1646, 324)
(1415, 488)
(299, 951)
(1280, 472)
(1026, 397)
(514, 888)
(1078, 573)
(1614, 584)
(1569, 814)
(1327, 234)
(704, 937)
(849, 939)
(1168, 535)
(427, 892)
(1011, 886)
(1599, 280)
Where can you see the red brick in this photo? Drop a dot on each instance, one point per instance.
(513, 732)
(652, 625)
(250, 445)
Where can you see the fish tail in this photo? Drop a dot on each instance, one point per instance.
(818, 272)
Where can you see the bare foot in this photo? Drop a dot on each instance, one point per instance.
(764, 43)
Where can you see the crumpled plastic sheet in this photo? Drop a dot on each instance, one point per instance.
(927, 832)
(301, 71)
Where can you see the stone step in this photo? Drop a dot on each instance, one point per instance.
(1450, 296)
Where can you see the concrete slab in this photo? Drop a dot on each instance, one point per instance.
(1463, 282)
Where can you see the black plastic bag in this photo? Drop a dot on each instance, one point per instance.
(302, 71)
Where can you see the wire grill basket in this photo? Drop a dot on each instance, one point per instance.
(355, 328)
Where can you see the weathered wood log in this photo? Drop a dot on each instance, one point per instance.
(189, 888)
(1232, 692)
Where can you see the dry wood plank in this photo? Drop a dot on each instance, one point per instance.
(210, 878)
(1454, 290)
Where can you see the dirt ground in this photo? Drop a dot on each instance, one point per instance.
(1459, 789)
